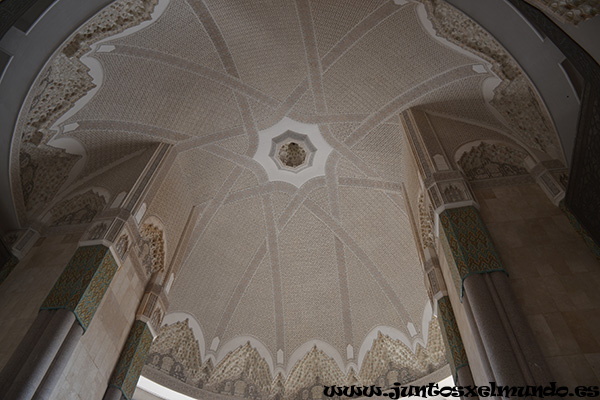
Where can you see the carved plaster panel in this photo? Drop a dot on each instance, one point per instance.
(152, 248)
(487, 161)
(515, 99)
(79, 209)
(245, 373)
(569, 11)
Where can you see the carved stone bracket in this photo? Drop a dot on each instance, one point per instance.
(552, 178)
(22, 241)
(434, 280)
(153, 307)
(117, 230)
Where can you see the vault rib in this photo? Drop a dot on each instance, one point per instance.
(212, 209)
(211, 27)
(357, 32)
(240, 289)
(347, 240)
(312, 54)
(272, 242)
(229, 81)
(412, 94)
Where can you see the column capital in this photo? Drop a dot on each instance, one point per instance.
(21, 241)
(153, 306)
(467, 244)
(83, 283)
(552, 177)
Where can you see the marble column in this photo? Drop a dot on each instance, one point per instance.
(59, 364)
(42, 355)
(505, 339)
(455, 350)
(23, 350)
(40, 358)
(131, 361)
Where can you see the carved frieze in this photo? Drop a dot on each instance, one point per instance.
(571, 11)
(492, 160)
(515, 98)
(245, 373)
(152, 248)
(79, 209)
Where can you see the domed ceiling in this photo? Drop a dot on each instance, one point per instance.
(282, 263)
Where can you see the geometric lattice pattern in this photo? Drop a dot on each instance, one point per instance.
(468, 245)
(132, 359)
(455, 349)
(81, 286)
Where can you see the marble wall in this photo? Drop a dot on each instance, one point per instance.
(554, 275)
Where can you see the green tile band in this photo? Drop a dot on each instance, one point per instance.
(467, 244)
(132, 359)
(455, 350)
(82, 285)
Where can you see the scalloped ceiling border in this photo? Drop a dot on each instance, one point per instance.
(225, 348)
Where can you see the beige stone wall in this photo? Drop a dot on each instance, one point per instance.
(89, 370)
(554, 276)
(24, 290)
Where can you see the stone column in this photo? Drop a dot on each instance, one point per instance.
(149, 317)
(455, 350)
(495, 316)
(503, 339)
(34, 369)
(131, 361)
(59, 364)
(23, 350)
(46, 349)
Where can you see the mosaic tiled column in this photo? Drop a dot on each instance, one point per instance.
(131, 361)
(149, 317)
(491, 308)
(455, 350)
(64, 316)
(466, 240)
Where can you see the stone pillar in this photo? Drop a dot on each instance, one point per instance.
(503, 339)
(455, 350)
(32, 372)
(149, 316)
(23, 350)
(506, 339)
(40, 358)
(59, 364)
(131, 361)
